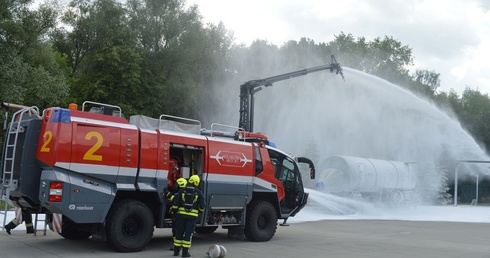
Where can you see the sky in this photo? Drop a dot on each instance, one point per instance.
(449, 37)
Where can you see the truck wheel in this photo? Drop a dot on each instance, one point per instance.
(205, 230)
(71, 230)
(129, 226)
(261, 223)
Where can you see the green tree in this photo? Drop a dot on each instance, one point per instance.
(390, 60)
(13, 76)
(31, 73)
(475, 115)
(450, 99)
(353, 53)
(386, 58)
(425, 82)
(105, 66)
(117, 73)
(79, 40)
(148, 56)
(298, 53)
(179, 53)
(212, 74)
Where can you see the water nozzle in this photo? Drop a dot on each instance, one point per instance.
(335, 66)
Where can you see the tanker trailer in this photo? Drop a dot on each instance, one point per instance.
(373, 179)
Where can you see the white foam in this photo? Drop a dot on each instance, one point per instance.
(323, 206)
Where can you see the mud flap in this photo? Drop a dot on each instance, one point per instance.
(99, 234)
(236, 233)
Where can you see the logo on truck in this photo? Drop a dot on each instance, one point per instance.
(80, 208)
(231, 159)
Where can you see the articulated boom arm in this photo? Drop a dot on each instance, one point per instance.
(248, 89)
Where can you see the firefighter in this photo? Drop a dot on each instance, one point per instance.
(187, 205)
(27, 217)
(181, 183)
(170, 192)
(173, 174)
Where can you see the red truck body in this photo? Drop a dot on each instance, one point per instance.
(97, 174)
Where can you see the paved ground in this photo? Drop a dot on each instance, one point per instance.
(330, 238)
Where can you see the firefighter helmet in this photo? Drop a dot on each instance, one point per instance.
(182, 182)
(195, 180)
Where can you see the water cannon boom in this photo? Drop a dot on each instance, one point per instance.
(249, 88)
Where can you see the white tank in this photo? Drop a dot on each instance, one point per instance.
(346, 174)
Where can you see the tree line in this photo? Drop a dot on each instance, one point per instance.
(158, 56)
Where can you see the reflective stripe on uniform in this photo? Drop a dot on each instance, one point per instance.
(193, 212)
(178, 243)
(186, 244)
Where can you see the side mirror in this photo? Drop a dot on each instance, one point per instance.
(310, 163)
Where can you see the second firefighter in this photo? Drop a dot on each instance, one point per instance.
(187, 205)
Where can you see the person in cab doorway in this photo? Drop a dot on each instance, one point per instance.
(27, 218)
(170, 195)
(187, 205)
(173, 175)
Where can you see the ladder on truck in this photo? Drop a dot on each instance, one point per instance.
(8, 159)
(38, 219)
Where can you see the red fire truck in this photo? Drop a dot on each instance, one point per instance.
(94, 173)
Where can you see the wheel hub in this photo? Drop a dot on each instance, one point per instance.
(131, 226)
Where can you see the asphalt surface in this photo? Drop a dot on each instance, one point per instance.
(329, 238)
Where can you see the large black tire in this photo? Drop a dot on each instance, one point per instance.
(129, 226)
(72, 231)
(261, 222)
(206, 230)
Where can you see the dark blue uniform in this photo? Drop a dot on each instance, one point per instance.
(27, 217)
(187, 205)
(170, 195)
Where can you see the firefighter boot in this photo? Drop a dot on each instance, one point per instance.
(185, 252)
(176, 251)
(10, 226)
(29, 229)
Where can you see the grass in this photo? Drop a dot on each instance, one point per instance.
(2, 205)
